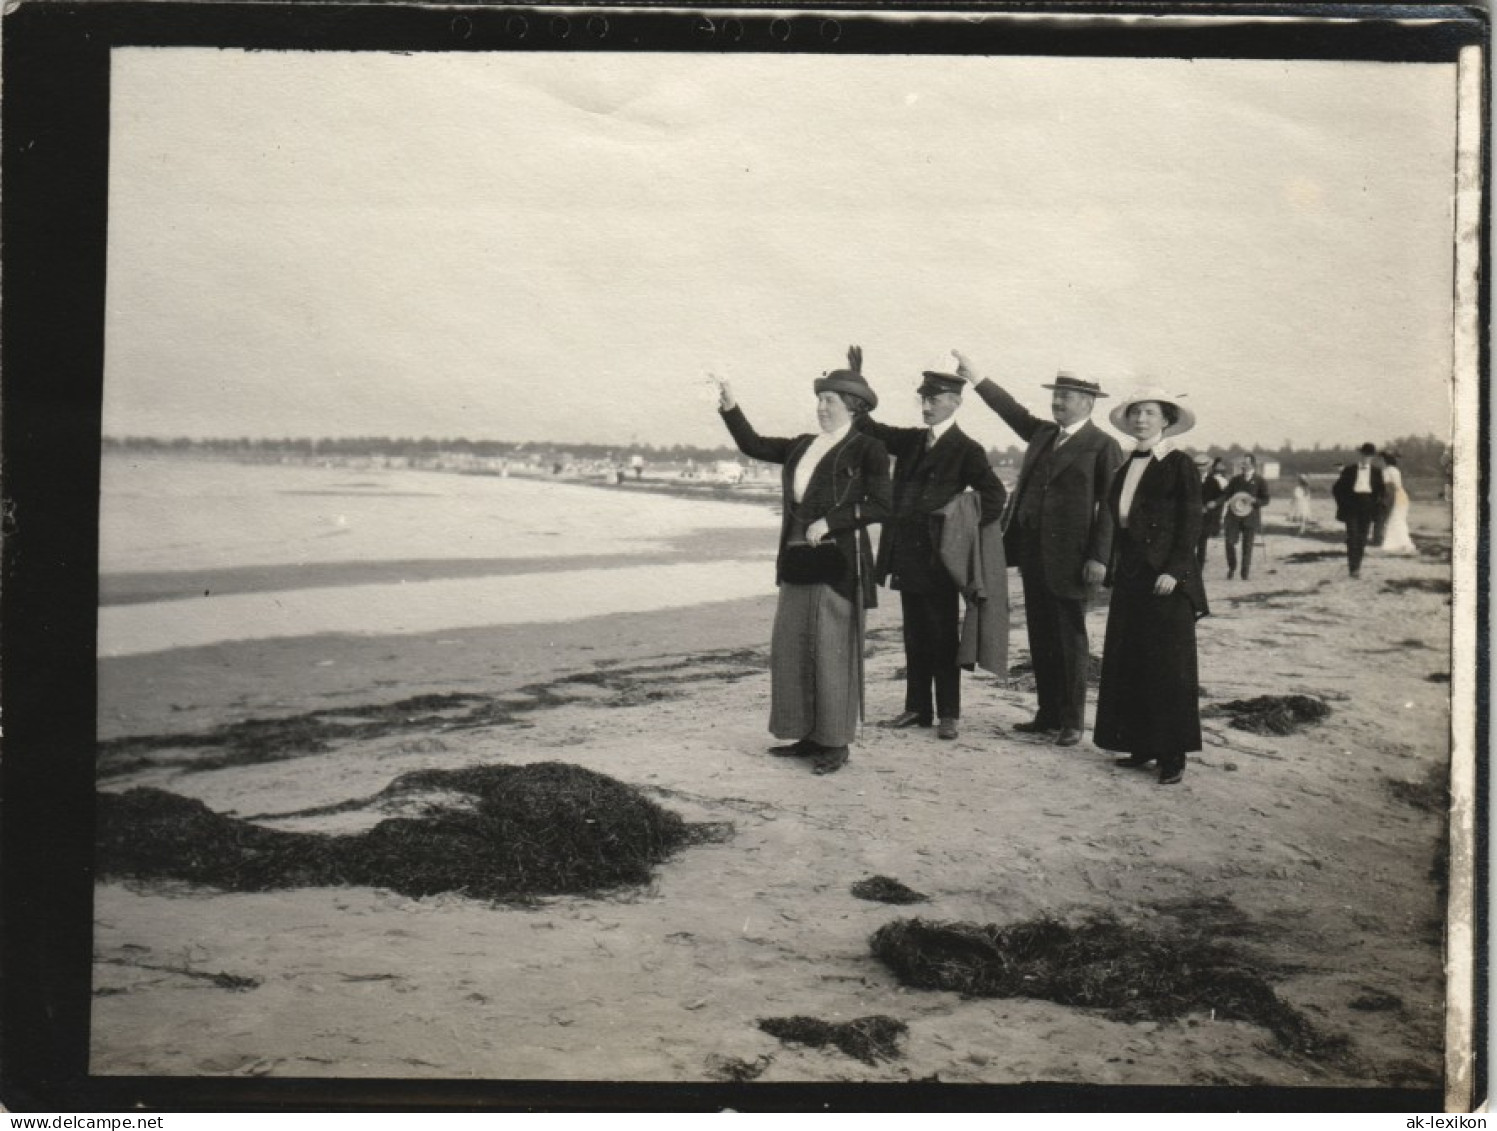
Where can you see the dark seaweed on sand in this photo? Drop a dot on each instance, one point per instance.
(1304, 556)
(1417, 584)
(256, 741)
(1272, 714)
(885, 889)
(1376, 1001)
(1430, 795)
(543, 829)
(1128, 973)
(869, 1039)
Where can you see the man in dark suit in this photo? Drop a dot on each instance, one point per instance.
(1247, 495)
(933, 465)
(1059, 533)
(1213, 498)
(1358, 493)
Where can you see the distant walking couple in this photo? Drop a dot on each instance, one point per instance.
(943, 544)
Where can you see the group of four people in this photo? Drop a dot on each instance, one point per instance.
(1082, 516)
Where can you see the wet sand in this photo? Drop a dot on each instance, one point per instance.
(1319, 852)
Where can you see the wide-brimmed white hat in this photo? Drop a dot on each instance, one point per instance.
(1187, 421)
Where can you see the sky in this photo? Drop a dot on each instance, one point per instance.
(562, 246)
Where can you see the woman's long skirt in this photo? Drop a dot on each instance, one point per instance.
(815, 660)
(1149, 700)
(1396, 538)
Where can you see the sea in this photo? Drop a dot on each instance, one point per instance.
(197, 551)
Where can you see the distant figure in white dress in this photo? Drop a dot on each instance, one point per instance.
(1300, 513)
(1396, 538)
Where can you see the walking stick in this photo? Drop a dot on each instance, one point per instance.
(857, 570)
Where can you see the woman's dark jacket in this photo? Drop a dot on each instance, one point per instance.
(850, 489)
(1164, 525)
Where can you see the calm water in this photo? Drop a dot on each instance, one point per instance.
(195, 551)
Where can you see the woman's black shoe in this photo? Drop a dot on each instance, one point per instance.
(832, 759)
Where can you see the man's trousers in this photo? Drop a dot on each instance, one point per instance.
(932, 631)
(1058, 649)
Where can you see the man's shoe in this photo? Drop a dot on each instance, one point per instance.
(1134, 761)
(1231, 573)
(1171, 776)
(946, 728)
(908, 719)
(831, 759)
(1034, 726)
(1068, 737)
(801, 749)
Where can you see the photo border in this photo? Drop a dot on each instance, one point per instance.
(55, 109)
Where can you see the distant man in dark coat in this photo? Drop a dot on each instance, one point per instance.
(1059, 534)
(1247, 495)
(933, 465)
(1213, 498)
(1358, 493)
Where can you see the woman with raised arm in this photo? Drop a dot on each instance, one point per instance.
(835, 484)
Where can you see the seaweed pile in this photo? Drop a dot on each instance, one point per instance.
(1304, 556)
(1128, 973)
(869, 1039)
(1431, 795)
(1418, 585)
(1271, 714)
(548, 828)
(886, 889)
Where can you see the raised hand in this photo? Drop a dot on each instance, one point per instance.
(964, 367)
(725, 399)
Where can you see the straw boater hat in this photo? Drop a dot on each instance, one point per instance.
(1065, 379)
(1119, 415)
(849, 380)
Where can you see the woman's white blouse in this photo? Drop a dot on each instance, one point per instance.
(823, 443)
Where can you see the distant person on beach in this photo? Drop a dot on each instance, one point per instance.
(1059, 534)
(1300, 511)
(1242, 514)
(1379, 529)
(934, 465)
(1213, 498)
(1358, 492)
(637, 463)
(1148, 702)
(835, 484)
(1396, 537)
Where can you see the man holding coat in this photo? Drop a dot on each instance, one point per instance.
(1059, 534)
(933, 466)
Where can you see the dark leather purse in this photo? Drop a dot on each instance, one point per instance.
(805, 564)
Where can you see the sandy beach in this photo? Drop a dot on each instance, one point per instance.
(1319, 854)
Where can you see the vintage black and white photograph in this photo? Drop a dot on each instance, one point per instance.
(786, 566)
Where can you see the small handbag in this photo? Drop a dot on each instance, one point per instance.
(805, 564)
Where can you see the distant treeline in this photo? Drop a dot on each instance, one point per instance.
(426, 447)
(1419, 456)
